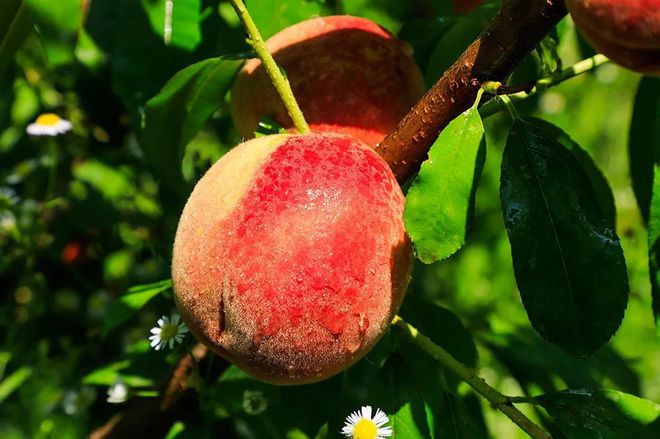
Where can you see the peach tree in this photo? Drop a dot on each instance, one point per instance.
(418, 206)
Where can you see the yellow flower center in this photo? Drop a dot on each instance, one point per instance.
(365, 429)
(48, 119)
(168, 332)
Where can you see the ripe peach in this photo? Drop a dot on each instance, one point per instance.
(626, 31)
(348, 74)
(291, 258)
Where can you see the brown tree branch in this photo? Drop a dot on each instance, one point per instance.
(516, 30)
(153, 417)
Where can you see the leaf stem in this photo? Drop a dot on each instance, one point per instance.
(586, 65)
(499, 401)
(280, 82)
(509, 106)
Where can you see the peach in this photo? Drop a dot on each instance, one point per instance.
(626, 31)
(290, 257)
(348, 74)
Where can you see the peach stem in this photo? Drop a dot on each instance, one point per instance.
(280, 82)
(499, 401)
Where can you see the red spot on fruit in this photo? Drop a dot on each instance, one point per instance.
(314, 293)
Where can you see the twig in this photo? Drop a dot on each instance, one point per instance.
(516, 30)
(280, 82)
(499, 401)
(584, 66)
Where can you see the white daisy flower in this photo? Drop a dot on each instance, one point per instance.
(49, 124)
(360, 424)
(168, 331)
(117, 393)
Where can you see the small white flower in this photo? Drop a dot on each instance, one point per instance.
(8, 196)
(168, 331)
(360, 424)
(117, 393)
(49, 124)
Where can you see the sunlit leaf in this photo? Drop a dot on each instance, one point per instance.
(440, 203)
(654, 247)
(13, 381)
(185, 21)
(602, 414)
(110, 182)
(271, 16)
(397, 394)
(644, 141)
(567, 257)
(131, 302)
(57, 28)
(178, 111)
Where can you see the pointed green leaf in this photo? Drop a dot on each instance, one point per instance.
(567, 258)
(644, 141)
(15, 24)
(179, 110)
(602, 414)
(604, 194)
(14, 381)
(440, 204)
(131, 302)
(654, 247)
(397, 394)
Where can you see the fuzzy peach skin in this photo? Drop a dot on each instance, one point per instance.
(290, 257)
(626, 31)
(348, 74)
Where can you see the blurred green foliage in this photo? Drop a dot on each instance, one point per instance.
(87, 215)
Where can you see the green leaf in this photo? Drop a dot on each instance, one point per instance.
(14, 381)
(109, 181)
(57, 28)
(567, 258)
(423, 34)
(654, 247)
(602, 414)
(397, 394)
(131, 302)
(186, 21)
(440, 203)
(457, 39)
(179, 110)
(604, 194)
(644, 141)
(271, 16)
(15, 24)
(548, 58)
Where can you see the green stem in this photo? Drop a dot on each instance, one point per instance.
(499, 401)
(586, 65)
(279, 81)
(52, 171)
(510, 107)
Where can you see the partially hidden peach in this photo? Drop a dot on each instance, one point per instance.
(290, 257)
(626, 31)
(348, 74)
